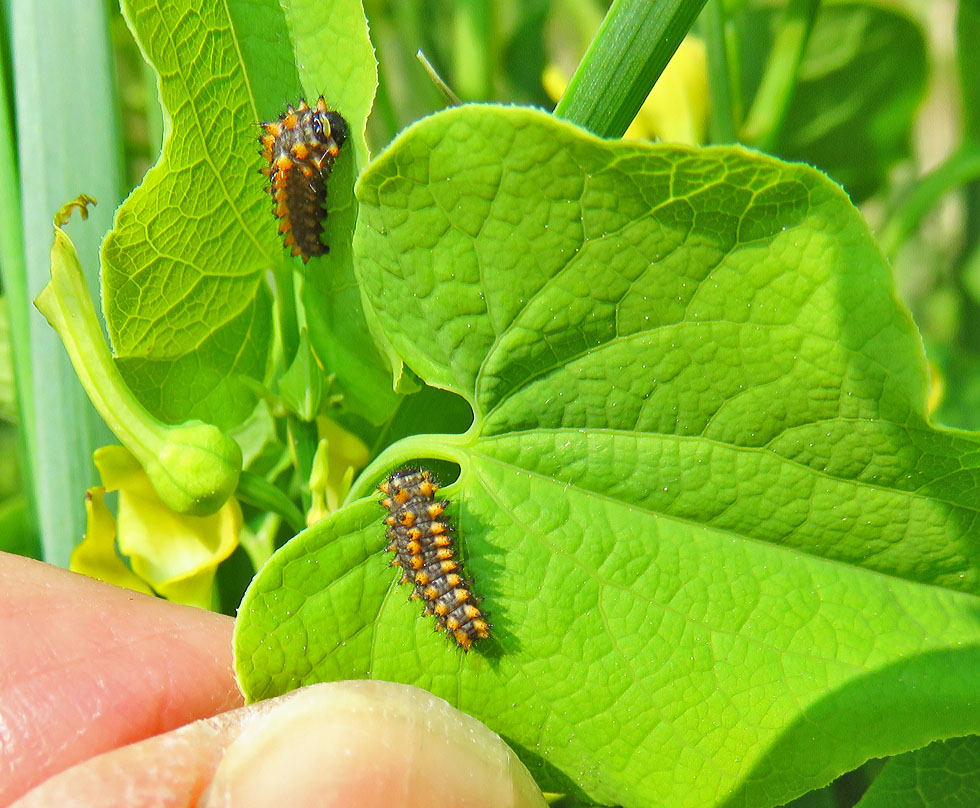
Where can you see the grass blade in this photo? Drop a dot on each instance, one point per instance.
(624, 61)
(62, 55)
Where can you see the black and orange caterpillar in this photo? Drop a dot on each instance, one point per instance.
(424, 548)
(301, 148)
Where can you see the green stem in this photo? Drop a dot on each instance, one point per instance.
(473, 49)
(258, 491)
(437, 80)
(635, 42)
(722, 125)
(304, 441)
(765, 118)
(286, 305)
(961, 168)
(262, 543)
(194, 466)
(66, 305)
(439, 447)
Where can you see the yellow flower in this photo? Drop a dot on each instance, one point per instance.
(171, 554)
(338, 455)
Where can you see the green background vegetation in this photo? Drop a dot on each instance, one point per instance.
(704, 476)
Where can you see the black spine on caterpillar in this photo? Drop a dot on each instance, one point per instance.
(301, 147)
(425, 549)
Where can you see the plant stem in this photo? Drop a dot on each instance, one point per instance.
(304, 438)
(261, 543)
(765, 118)
(473, 49)
(194, 466)
(437, 80)
(722, 125)
(635, 42)
(258, 491)
(286, 305)
(961, 168)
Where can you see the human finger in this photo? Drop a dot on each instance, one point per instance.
(87, 667)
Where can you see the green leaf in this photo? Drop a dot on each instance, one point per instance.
(945, 774)
(428, 410)
(713, 528)
(333, 45)
(184, 267)
(861, 80)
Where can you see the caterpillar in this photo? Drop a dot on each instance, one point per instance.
(425, 549)
(301, 147)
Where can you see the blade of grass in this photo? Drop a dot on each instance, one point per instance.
(765, 118)
(62, 53)
(13, 273)
(624, 61)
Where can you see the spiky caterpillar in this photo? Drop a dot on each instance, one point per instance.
(424, 548)
(301, 147)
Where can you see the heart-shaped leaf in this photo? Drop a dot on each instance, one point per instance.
(714, 531)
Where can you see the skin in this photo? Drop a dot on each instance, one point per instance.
(91, 675)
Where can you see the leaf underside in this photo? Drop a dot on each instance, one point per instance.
(185, 265)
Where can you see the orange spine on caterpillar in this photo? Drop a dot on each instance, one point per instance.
(424, 548)
(301, 147)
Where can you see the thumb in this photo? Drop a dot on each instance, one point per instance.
(370, 744)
